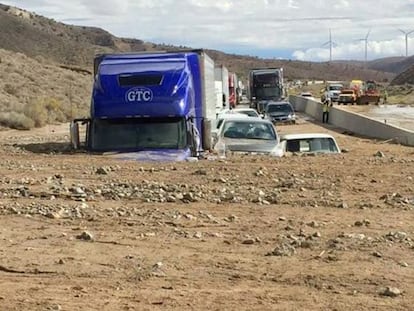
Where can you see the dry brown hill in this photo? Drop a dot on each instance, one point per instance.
(46, 67)
(406, 77)
(36, 35)
(35, 92)
(392, 64)
(300, 69)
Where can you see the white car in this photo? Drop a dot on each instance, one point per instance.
(226, 116)
(309, 143)
(307, 95)
(247, 111)
(247, 135)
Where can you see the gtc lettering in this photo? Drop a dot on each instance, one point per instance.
(139, 95)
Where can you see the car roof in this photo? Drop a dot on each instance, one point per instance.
(232, 116)
(251, 119)
(278, 103)
(305, 136)
(244, 109)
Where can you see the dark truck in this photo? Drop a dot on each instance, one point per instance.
(265, 85)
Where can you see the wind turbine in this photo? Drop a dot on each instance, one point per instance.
(406, 34)
(331, 44)
(366, 45)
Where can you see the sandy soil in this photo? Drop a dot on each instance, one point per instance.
(87, 232)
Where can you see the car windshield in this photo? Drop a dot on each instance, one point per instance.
(281, 108)
(306, 95)
(347, 92)
(325, 144)
(335, 87)
(138, 134)
(249, 130)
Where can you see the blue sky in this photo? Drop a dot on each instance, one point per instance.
(290, 29)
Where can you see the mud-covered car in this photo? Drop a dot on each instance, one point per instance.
(280, 112)
(247, 135)
(309, 143)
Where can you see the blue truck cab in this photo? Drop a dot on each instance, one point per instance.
(150, 106)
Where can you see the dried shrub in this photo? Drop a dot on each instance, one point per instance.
(47, 110)
(10, 89)
(16, 120)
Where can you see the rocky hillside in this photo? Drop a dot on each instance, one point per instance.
(35, 92)
(46, 67)
(406, 77)
(299, 69)
(76, 45)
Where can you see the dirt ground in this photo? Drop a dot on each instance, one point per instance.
(89, 232)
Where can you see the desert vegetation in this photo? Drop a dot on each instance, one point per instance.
(34, 92)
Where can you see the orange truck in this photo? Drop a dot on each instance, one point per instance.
(366, 92)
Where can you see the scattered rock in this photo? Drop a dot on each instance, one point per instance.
(201, 172)
(343, 205)
(282, 218)
(377, 254)
(198, 235)
(313, 224)
(103, 170)
(231, 218)
(391, 292)
(85, 236)
(158, 265)
(283, 250)
(190, 217)
(317, 234)
(379, 154)
(248, 241)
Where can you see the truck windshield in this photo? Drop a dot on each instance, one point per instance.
(335, 87)
(138, 134)
(268, 93)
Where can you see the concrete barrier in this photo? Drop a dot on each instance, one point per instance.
(354, 122)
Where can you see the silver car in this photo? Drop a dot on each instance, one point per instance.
(248, 135)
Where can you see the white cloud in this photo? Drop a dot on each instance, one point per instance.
(355, 50)
(296, 28)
